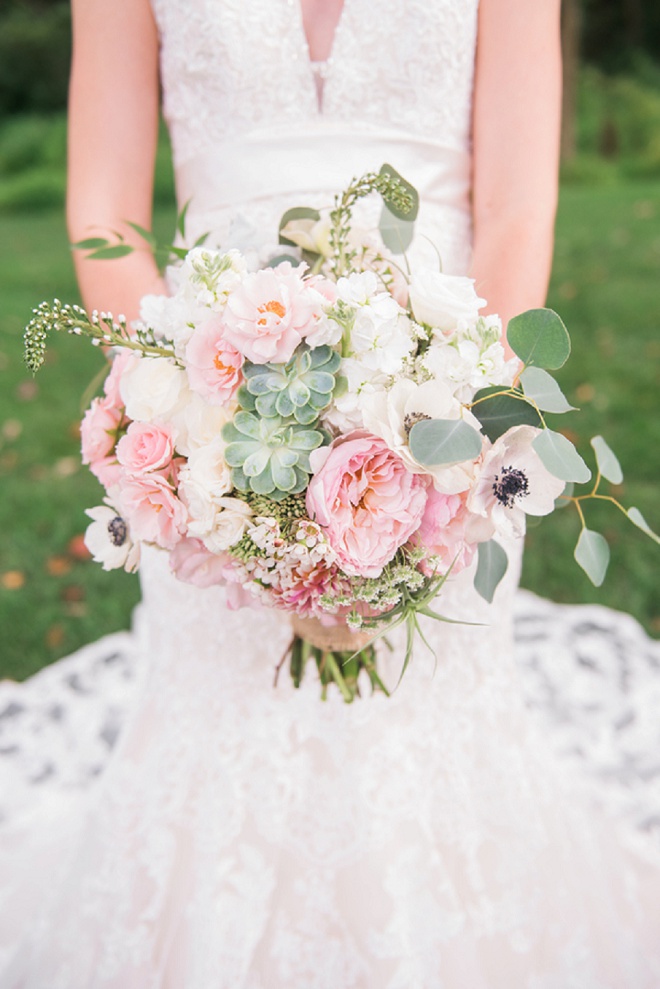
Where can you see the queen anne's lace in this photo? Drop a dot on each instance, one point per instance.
(246, 837)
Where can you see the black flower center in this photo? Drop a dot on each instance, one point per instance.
(411, 419)
(117, 531)
(510, 484)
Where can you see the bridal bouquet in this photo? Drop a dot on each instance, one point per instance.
(327, 434)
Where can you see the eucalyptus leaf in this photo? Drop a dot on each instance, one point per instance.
(397, 234)
(593, 554)
(280, 258)
(560, 457)
(442, 442)
(491, 566)
(411, 214)
(607, 461)
(562, 501)
(497, 412)
(638, 519)
(539, 337)
(110, 253)
(542, 388)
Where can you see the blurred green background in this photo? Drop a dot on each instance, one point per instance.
(605, 284)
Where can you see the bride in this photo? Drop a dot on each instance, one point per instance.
(248, 837)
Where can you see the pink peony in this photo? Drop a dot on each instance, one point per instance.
(213, 365)
(98, 430)
(443, 531)
(367, 499)
(152, 510)
(268, 315)
(145, 447)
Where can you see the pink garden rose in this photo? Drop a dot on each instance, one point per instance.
(367, 499)
(192, 563)
(98, 436)
(269, 314)
(146, 446)
(119, 364)
(98, 430)
(213, 365)
(152, 510)
(443, 530)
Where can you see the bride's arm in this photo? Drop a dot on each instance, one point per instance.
(517, 104)
(113, 128)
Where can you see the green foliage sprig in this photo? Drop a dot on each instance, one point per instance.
(102, 328)
(399, 195)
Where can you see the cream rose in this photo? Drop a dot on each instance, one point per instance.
(441, 300)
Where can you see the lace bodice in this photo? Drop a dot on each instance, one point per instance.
(234, 66)
(257, 127)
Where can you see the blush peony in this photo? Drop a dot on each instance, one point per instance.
(270, 313)
(152, 509)
(367, 500)
(213, 365)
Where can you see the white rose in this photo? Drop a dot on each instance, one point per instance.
(196, 423)
(208, 468)
(153, 388)
(231, 520)
(441, 300)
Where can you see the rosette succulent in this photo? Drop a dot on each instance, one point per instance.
(269, 455)
(300, 388)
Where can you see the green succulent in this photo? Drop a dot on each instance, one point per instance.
(269, 456)
(300, 388)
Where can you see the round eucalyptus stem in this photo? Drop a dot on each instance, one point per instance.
(392, 191)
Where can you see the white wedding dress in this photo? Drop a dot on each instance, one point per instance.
(250, 837)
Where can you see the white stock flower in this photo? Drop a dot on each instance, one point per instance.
(382, 345)
(108, 540)
(512, 482)
(208, 276)
(441, 300)
(391, 415)
(171, 318)
(153, 388)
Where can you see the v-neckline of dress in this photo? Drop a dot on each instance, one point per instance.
(335, 35)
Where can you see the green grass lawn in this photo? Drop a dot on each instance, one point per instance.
(605, 285)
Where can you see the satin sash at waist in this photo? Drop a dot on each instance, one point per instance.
(276, 162)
